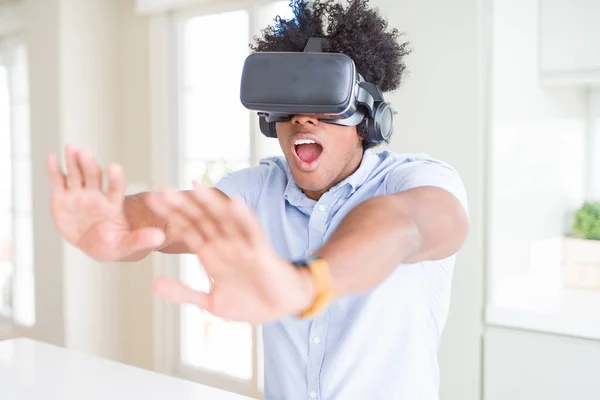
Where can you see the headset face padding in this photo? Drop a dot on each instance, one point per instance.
(268, 129)
(379, 128)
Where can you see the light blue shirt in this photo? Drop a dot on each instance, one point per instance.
(378, 345)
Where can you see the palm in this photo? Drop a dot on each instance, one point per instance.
(88, 220)
(254, 294)
(250, 281)
(230, 302)
(91, 218)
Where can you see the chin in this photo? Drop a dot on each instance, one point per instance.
(311, 177)
(309, 181)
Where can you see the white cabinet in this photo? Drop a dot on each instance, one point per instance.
(521, 365)
(569, 41)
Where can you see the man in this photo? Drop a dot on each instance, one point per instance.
(345, 256)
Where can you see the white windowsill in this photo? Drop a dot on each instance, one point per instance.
(537, 303)
(7, 329)
(586, 78)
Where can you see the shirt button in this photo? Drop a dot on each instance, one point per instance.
(316, 340)
(313, 394)
(322, 207)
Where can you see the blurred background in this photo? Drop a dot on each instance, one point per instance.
(507, 91)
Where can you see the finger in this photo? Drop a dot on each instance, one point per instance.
(92, 175)
(57, 177)
(187, 207)
(176, 292)
(216, 208)
(74, 178)
(142, 239)
(248, 223)
(116, 184)
(157, 204)
(190, 234)
(176, 221)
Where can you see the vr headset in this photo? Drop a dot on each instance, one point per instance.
(280, 85)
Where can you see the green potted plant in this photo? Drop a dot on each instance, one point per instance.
(581, 250)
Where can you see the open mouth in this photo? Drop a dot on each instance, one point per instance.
(307, 150)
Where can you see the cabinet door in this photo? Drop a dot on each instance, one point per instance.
(569, 36)
(521, 365)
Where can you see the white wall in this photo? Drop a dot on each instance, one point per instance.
(89, 86)
(89, 67)
(73, 93)
(41, 21)
(136, 151)
(441, 110)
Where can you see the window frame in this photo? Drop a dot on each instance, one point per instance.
(10, 18)
(166, 35)
(10, 39)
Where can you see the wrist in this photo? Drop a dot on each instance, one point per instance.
(316, 280)
(307, 289)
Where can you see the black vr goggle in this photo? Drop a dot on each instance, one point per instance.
(279, 85)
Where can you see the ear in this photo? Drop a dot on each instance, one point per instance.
(361, 130)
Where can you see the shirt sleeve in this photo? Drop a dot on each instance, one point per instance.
(424, 171)
(245, 184)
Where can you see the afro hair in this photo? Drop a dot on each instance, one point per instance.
(356, 30)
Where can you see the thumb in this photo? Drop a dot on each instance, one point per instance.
(142, 239)
(175, 291)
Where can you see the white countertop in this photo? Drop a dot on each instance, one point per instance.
(31, 370)
(540, 303)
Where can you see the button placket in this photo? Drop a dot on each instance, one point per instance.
(318, 329)
(316, 226)
(316, 353)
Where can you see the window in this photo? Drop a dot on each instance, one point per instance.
(542, 152)
(16, 226)
(216, 135)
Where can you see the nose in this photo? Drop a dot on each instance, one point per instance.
(305, 120)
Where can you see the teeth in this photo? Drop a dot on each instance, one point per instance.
(303, 141)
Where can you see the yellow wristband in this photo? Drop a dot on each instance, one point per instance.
(324, 294)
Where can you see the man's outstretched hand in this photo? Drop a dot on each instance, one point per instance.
(91, 218)
(250, 281)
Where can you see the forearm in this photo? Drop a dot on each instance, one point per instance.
(368, 244)
(139, 214)
(386, 231)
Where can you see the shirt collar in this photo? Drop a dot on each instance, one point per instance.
(296, 197)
